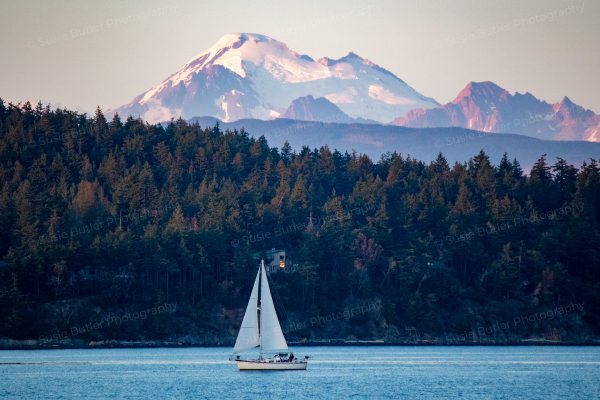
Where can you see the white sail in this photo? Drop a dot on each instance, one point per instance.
(248, 337)
(271, 336)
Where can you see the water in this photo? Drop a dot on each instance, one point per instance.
(333, 372)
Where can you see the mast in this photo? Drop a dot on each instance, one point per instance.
(259, 304)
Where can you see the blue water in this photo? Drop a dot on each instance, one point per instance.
(334, 372)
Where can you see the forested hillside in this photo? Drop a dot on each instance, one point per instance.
(130, 231)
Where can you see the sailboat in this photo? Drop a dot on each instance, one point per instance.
(260, 328)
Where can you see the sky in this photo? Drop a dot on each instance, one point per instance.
(84, 54)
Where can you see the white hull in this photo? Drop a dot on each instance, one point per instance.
(246, 365)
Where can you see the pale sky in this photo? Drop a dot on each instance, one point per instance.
(81, 54)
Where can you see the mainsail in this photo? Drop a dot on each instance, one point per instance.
(248, 337)
(271, 336)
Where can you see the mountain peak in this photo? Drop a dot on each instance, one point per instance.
(566, 107)
(348, 58)
(230, 39)
(229, 45)
(480, 89)
(352, 56)
(567, 101)
(307, 108)
(249, 75)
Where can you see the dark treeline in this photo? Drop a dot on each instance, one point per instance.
(100, 219)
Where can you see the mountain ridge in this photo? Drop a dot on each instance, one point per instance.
(253, 76)
(376, 140)
(487, 107)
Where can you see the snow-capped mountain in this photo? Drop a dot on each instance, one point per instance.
(246, 75)
(484, 106)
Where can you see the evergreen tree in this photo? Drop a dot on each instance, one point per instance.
(122, 216)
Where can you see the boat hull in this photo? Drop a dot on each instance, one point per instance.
(256, 365)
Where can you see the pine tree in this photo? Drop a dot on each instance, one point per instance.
(177, 223)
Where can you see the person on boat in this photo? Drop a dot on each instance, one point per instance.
(291, 357)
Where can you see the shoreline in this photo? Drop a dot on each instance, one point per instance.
(123, 344)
